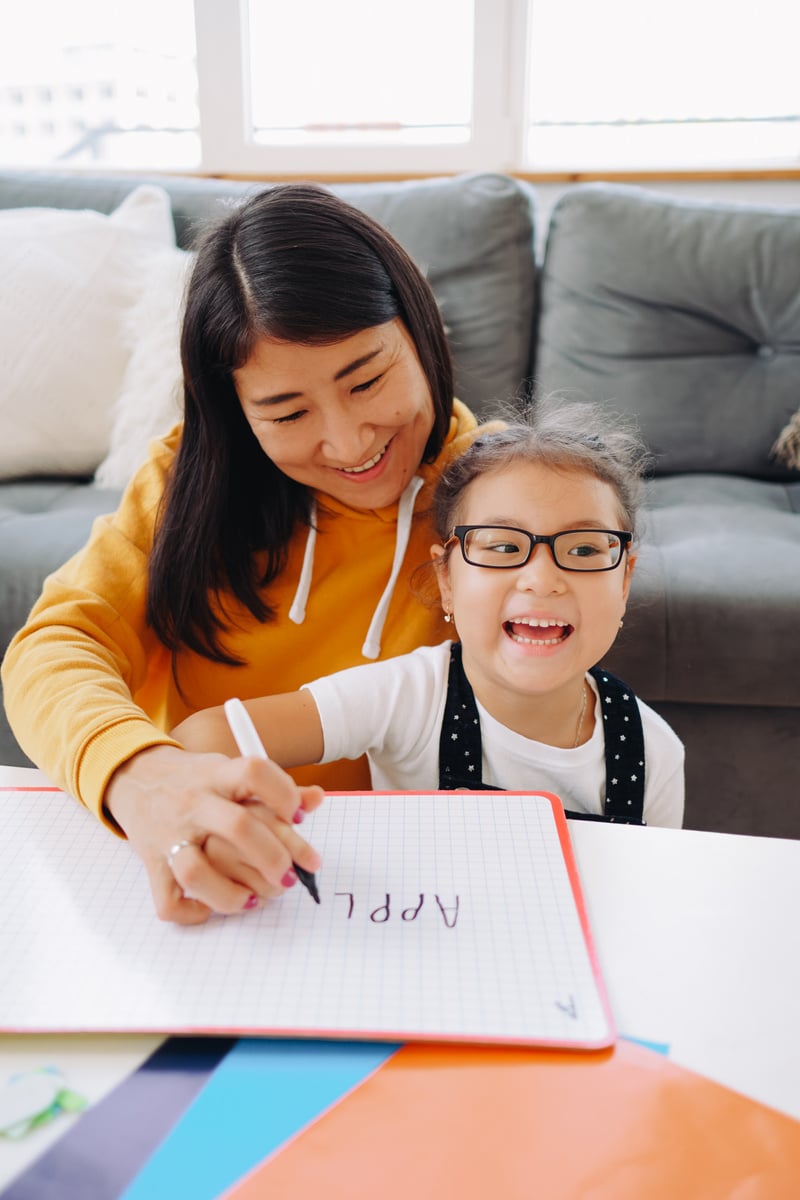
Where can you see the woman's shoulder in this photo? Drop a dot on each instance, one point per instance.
(144, 491)
(160, 453)
(464, 429)
(165, 447)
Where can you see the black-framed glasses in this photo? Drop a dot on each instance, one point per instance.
(503, 547)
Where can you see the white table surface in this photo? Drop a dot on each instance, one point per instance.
(697, 939)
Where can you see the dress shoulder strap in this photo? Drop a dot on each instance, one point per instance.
(461, 758)
(460, 752)
(624, 749)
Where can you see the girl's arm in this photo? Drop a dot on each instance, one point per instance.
(288, 725)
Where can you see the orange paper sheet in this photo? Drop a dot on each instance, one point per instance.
(624, 1124)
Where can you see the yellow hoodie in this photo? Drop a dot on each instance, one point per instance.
(87, 684)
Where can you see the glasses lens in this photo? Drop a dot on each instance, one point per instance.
(496, 547)
(587, 550)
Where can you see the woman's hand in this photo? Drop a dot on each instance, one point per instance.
(216, 834)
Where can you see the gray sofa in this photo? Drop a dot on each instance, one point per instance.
(685, 315)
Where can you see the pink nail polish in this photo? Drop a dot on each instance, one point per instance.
(298, 817)
(289, 879)
(251, 901)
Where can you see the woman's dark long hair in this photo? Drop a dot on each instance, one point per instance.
(295, 263)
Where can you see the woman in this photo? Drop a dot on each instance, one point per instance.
(268, 540)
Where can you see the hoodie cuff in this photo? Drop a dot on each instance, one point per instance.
(104, 754)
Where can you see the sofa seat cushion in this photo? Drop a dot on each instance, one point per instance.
(684, 314)
(43, 522)
(713, 615)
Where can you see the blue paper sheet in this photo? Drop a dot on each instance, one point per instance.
(260, 1095)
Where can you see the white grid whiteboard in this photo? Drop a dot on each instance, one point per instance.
(443, 916)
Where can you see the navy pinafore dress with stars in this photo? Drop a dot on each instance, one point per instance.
(461, 757)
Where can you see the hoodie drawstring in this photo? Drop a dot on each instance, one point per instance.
(297, 612)
(405, 512)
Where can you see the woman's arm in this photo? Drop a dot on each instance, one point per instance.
(69, 678)
(71, 673)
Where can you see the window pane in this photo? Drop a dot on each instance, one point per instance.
(691, 83)
(95, 83)
(361, 71)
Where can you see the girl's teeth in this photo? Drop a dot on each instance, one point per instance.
(365, 466)
(539, 641)
(515, 632)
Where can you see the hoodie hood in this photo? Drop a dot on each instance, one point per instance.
(460, 434)
(405, 512)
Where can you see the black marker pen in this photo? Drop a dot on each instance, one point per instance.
(250, 744)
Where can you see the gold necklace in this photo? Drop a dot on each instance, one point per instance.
(580, 718)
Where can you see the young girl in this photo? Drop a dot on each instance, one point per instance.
(534, 562)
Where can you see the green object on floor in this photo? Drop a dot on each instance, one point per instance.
(33, 1098)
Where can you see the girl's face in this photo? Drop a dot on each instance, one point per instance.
(533, 631)
(350, 419)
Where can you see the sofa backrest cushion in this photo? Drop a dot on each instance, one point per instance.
(472, 235)
(684, 314)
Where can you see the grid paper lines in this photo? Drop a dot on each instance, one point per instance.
(447, 915)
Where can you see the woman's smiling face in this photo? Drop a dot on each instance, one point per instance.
(533, 630)
(350, 419)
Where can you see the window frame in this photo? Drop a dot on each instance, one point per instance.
(499, 132)
(500, 138)
(498, 113)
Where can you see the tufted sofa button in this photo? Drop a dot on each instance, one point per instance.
(766, 351)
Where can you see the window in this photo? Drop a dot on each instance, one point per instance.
(361, 86)
(358, 94)
(693, 84)
(266, 87)
(77, 69)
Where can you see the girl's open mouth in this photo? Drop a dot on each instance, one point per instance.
(538, 633)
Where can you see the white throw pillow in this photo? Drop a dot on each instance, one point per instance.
(150, 399)
(69, 281)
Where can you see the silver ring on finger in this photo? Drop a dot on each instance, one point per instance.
(175, 850)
